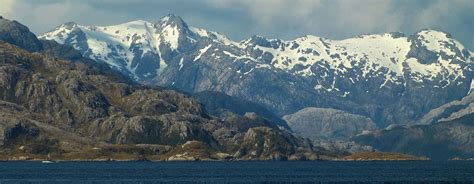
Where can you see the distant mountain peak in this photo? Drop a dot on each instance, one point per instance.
(433, 31)
(256, 40)
(69, 24)
(173, 20)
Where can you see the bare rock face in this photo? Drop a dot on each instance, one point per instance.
(61, 51)
(320, 123)
(15, 33)
(19, 132)
(16, 128)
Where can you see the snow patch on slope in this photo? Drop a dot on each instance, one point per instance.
(170, 35)
(217, 37)
(202, 51)
(61, 33)
(472, 87)
(438, 41)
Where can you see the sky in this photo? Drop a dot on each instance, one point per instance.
(240, 19)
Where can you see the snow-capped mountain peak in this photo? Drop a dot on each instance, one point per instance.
(117, 45)
(172, 19)
(441, 42)
(173, 30)
(60, 33)
(122, 46)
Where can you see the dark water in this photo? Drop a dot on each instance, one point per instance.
(238, 172)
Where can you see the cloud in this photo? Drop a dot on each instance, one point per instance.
(267, 12)
(45, 16)
(287, 19)
(334, 19)
(339, 19)
(455, 17)
(7, 7)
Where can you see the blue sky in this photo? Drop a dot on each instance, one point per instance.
(239, 19)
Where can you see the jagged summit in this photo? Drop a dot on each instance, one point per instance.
(174, 25)
(172, 19)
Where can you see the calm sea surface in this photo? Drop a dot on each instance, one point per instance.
(239, 172)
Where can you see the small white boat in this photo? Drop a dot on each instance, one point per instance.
(48, 161)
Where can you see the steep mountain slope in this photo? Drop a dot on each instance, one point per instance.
(80, 109)
(450, 111)
(390, 78)
(329, 124)
(448, 132)
(220, 105)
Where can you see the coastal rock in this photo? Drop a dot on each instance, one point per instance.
(267, 144)
(181, 157)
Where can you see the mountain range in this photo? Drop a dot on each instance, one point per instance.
(169, 84)
(390, 78)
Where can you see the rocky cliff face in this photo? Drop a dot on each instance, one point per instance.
(446, 133)
(329, 124)
(77, 109)
(390, 78)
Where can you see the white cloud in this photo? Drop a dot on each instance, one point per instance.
(344, 18)
(441, 10)
(338, 19)
(42, 17)
(268, 14)
(6, 8)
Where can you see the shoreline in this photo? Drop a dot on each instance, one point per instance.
(158, 161)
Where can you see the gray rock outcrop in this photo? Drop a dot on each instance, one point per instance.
(332, 124)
